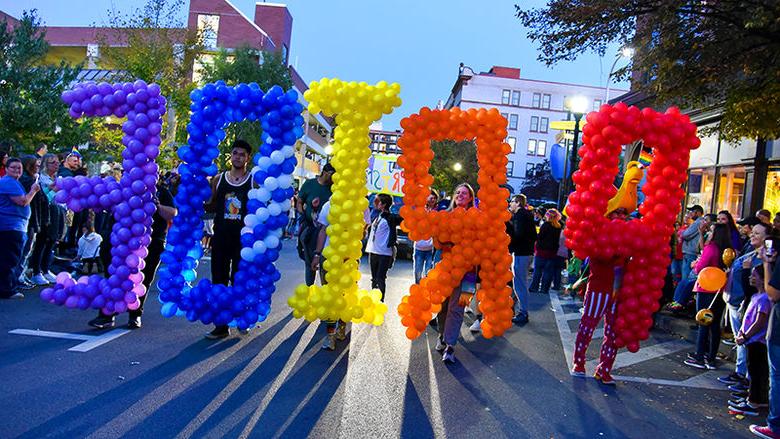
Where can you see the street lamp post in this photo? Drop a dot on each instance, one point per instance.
(578, 106)
(626, 52)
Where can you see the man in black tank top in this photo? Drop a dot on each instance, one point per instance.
(229, 197)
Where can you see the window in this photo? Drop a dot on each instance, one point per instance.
(597, 104)
(506, 116)
(510, 168)
(505, 95)
(530, 170)
(565, 103)
(209, 27)
(531, 147)
(512, 141)
(516, 98)
(541, 148)
(537, 100)
(546, 101)
(544, 123)
(512, 121)
(534, 124)
(700, 187)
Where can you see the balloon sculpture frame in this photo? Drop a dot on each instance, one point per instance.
(248, 300)
(478, 234)
(589, 233)
(355, 106)
(130, 199)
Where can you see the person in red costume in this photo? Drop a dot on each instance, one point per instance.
(600, 301)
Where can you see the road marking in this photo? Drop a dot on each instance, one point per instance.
(89, 341)
(624, 359)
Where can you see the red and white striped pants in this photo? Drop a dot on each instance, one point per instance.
(595, 306)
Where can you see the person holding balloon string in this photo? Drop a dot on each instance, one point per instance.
(229, 198)
(707, 290)
(600, 300)
(450, 317)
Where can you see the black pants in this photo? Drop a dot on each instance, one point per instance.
(708, 337)
(380, 264)
(10, 256)
(42, 252)
(152, 261)
(758, 368)
(308, 242)
(225, 254)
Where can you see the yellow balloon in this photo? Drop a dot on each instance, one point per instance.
(728, 256)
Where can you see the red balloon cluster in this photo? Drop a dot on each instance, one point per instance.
(589, 233)
(478, 233)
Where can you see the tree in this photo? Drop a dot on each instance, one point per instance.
(539, 184)
(446, 154)
(31, 111)
(246, 65)
(695, 54)
(154, 44)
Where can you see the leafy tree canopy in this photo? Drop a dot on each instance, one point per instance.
(446, 154)
(31, 111)
(695, 54)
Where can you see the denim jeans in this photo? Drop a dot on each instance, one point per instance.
(450, 318)
(686, 265)
(735, 318)
(773, 419)
(684, 291)
(423, 262)
(675, 267)
(708, 337)
(520, 270)
(544, 269)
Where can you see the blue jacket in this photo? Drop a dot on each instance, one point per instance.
(690, 237)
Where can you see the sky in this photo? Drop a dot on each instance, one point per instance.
(418, 44)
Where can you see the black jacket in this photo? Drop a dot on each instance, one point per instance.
(549, 237)
(39, 206)
(522, 233)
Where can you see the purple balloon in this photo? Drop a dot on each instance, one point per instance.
(142, 95)
(139, 84)
(154, 90)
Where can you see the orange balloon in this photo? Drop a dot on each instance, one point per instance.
(712, 279)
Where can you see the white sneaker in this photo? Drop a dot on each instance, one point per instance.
(440, 346)
(449, 355)
(38, 279)
(475, 326)
(51, 277)
(468, 310)
(329, 344)
(17, 296)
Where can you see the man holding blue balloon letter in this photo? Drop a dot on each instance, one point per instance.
(229, 197)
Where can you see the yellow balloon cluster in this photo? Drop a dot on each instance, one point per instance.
(356, 106)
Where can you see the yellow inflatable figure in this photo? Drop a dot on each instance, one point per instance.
(626, 197)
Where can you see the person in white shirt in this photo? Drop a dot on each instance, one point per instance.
(381, 241)
(89, 248)
(423, 249)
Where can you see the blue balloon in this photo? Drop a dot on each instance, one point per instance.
(557, 162)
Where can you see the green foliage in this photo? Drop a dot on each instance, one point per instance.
(243, 66)
(31, 111)
(695, 54)
(446, 154)
(540, 184)
(154, 44)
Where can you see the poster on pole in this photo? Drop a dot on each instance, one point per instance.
(384, 176)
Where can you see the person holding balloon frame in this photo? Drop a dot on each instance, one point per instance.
(450, 318)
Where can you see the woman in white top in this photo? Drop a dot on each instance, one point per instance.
(381, 240)
(423, 249)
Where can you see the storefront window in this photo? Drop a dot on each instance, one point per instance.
(772, 194)
(700, 186)
(737, 152)
(706, 154)
(731, 190)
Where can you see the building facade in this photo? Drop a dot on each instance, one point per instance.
(529, 106)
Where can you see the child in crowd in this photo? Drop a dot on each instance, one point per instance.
(89, 249)
(753, 336)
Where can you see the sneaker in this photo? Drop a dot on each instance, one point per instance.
(51, 277)
(728, 342)
(475, 326)
(737, 401)
(520, 319)
(25, 286)
(341, 332)
(739, 387)
(433, 323)
(134, 322)
(243, 331)
(16, 295)
(102, 322)
(218, 333)
(440, 346)
(764, 431)
(449, 355)
(468, 310)
(746, 408)
(605, 378)
(710, 364)
(39, 280)
(675, 307)
(578, 371)
(732, 378)
(697, 363)
(739, 394)
(329, 344)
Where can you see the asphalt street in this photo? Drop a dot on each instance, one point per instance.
(165, 380)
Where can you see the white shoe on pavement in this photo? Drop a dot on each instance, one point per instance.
(329, 343)
(440, 346)
(51, 277)
(449, 355)
(475, 326)
(468, 310)
(38, 279)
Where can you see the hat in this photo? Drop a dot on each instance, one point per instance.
(749, 221)
(697, 208)
(328, 168)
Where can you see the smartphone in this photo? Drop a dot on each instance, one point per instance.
(769, 250)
